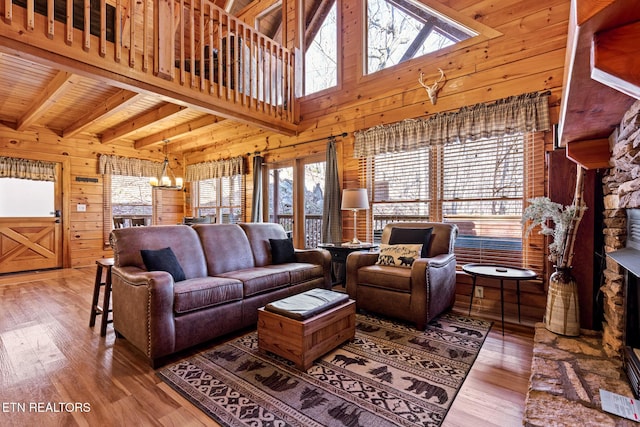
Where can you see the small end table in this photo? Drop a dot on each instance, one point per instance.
(339, 253)
(498, 272)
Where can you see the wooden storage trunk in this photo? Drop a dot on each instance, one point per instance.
(303, 341)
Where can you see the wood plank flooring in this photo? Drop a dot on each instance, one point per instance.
(56, 371)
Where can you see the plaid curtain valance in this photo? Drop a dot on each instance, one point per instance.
(216, 169)
(11, 167)
(508, 116)
(116, 165)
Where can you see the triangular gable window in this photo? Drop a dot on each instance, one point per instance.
(399, 30)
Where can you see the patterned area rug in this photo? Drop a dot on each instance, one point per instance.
(390, 374)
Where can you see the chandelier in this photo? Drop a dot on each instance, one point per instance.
(166, 181)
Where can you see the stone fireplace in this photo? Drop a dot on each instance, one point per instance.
(621, 187)
(568, 372)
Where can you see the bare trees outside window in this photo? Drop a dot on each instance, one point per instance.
(400, 30)
(321, 54)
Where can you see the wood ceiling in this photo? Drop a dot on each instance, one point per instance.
(69, 104)
(35, 95)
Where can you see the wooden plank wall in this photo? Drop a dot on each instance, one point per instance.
(529, 56)
(84, 229)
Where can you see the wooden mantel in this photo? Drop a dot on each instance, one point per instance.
(601, 80)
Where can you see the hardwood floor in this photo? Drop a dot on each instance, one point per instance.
(55, 370)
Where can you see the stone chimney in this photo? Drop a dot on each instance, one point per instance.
(621, 187)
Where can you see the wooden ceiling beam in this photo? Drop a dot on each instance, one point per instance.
(211, 139)
(137, 123)
(56, 88)
(179, 131)
(114, 104)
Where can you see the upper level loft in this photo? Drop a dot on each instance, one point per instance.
(184, 61)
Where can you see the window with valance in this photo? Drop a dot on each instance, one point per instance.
(475, 167)
(218, 189)
(128, 196)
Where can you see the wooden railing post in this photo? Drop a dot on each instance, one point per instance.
(164, 40)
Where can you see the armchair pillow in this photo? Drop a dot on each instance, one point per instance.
(422, 236)
(282, 251)
(163, 260)
(398, 255)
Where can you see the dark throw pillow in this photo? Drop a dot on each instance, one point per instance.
(416, 236)
(163, 260)
(282, 251)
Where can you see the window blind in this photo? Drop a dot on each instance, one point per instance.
(127, 198)
(480, 185)
(400, 189)
(482, 194)
(220, 198)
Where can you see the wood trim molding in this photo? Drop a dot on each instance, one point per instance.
(615, 55)
(590, 154)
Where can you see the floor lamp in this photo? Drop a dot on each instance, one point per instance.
(355, 199)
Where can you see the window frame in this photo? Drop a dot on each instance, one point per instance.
(339, 57)
(454, 21)
(533, 166)
(219, 207)
(298, 209)
(107, 208)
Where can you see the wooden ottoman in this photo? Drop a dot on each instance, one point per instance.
(303, 327)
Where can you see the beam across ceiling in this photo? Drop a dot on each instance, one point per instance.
(190, 128)
(57, 87)
(137, 123)
(114, 104)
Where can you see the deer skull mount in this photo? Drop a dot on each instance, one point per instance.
(432, 90)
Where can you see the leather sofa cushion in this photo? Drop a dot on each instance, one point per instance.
(259, 234)
(387, 277)
(226, 247)
(128, 242)
(302, 272)
(260, 279)
(195, 294)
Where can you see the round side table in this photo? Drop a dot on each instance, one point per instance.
(498, 272)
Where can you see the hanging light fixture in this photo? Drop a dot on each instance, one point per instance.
(164, 181)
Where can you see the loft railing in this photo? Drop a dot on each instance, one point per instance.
(225, 56)
(205, 53)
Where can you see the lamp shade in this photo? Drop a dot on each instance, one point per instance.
(356, 198)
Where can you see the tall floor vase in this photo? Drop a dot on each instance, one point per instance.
(562, 313)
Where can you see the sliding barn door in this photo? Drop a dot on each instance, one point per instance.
(30, 225)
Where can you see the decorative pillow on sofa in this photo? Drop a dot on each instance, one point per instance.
(282, 251)
(422, 236)
(163, 260)
(398, 255)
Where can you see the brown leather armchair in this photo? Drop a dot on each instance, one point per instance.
(416, 294)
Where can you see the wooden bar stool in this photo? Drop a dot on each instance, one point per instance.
(105, 263)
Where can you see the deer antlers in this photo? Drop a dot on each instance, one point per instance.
(432, 90)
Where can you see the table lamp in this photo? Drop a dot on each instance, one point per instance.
(355, 199)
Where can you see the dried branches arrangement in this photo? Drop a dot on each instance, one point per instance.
(565, 222)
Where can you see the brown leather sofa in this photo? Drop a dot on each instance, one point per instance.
(229, 275)
(416, 294)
